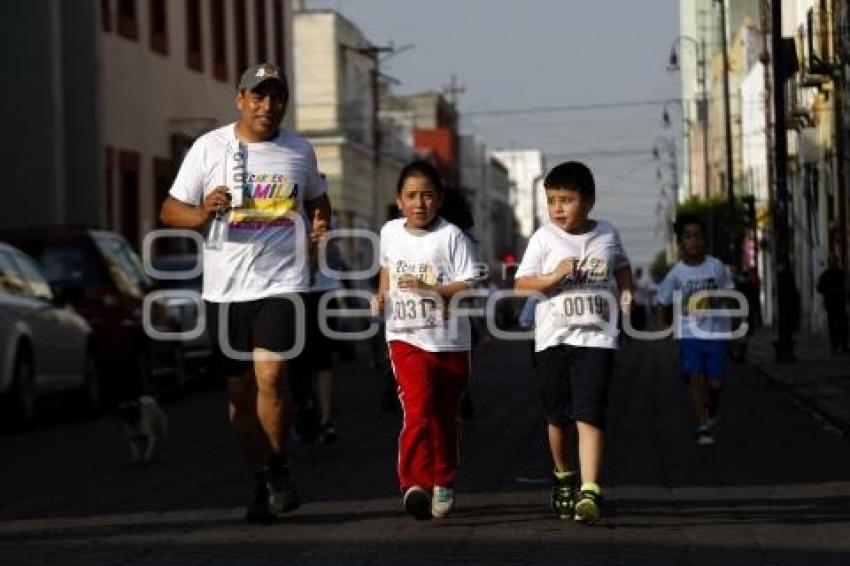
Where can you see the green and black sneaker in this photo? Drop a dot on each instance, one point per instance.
(588, 506)
(564, 488)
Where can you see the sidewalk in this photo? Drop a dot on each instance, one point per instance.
(818, 379)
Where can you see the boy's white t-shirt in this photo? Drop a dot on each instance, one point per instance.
(259, 257)
(711, 274)
(439, 256)
(584, 310)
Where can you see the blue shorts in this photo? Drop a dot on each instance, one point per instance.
(707, 357)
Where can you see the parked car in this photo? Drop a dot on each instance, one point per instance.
(112, 287)
(197, 351)
(46, 348)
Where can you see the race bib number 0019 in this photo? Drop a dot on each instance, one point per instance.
(413, 311)
(583, 309)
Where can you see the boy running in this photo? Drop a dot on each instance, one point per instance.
(702, 361)
(580, 266)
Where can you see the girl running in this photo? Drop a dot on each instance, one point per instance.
(425, 261)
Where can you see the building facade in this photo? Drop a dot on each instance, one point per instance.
(526, 169)
(132, 84)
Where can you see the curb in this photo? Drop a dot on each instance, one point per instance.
(842, 428)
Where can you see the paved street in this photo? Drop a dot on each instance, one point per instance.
(775, 490)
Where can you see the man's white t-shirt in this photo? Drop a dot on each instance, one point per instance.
(259, 256)
(439, 256)
(689, 279)
(583, 311)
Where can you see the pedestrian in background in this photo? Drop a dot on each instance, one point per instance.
(425, 261)
(832, 285)
(580, 265)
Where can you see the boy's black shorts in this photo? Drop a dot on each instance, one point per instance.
(573, 383)
(268, 323)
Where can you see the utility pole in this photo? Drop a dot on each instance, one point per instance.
(703, 63)
(786, 291)
(764, 58)
(838, 127)
(730, 171)
(453, 89)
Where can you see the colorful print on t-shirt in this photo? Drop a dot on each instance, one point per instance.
(691, 287)
(267, 200)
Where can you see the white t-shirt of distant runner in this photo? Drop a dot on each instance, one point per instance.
(439, 256)
(689, 279)
(259, 256)
(583, 310)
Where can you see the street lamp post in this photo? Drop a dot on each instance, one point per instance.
(730, 172)
(661, 144)
(686, 129)
(702, 115)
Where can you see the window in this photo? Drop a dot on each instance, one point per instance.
(194, 36)
(128, 175)
(106, 15)
(162, 178)
(124, 265)
(11, 280)
(33, 277)
(279, 33)
(240, 23)
(128, 24)
(260, 24)
(159, 26)
(73, 262)
(219, 40)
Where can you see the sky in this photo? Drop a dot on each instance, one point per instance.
(537, 54)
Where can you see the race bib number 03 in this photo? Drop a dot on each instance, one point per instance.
(413, 311)
(583, 309)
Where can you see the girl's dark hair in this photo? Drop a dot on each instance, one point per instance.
(420, 168)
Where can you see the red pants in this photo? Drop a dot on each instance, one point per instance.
(430, 385)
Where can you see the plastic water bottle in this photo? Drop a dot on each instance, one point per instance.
(218, 231)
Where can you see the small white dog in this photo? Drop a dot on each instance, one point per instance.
(146, 428)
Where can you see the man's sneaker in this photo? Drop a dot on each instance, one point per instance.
(705, 437)
(443, 501)
(258, 509)
(418, 503)
(282, 495)
(328, 433)
(587, 507)
(563, 495)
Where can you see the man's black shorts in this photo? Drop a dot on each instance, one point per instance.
(268, 323)
(573, 383)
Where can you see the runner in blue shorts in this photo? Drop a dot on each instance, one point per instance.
(703, 339)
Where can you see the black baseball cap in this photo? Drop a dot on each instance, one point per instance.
(258, 74)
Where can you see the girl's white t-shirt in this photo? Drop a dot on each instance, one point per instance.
(264, 254)
(583, 310)
(439, 256)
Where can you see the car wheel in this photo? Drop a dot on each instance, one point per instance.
(91, 397)
(21, 400)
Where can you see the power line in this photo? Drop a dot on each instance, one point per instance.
(569, 108)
